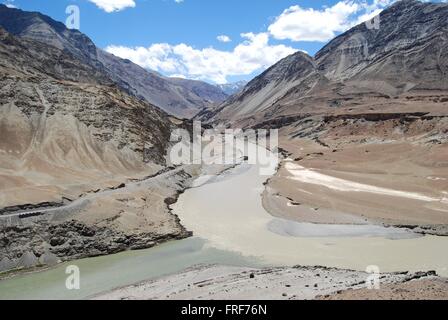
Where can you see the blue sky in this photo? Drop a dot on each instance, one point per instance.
(180, 38)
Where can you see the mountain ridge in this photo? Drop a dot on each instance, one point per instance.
(68, 135)
(406, 54)
(173, 97)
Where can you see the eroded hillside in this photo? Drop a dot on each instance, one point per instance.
(79, 161)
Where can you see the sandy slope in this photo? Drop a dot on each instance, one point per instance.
(426, 289)
(304, 175)
(397, 182)
(60, 157)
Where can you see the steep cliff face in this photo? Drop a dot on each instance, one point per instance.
(24, 55)
(181, 98)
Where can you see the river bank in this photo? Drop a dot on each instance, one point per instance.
(236, 283)
(104, 273)
(231, 228)
(98, 223)
(229, 214)
(400, 183)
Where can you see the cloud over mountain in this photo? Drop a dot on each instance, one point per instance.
(308, 24)
(256, 51)
(252, 54)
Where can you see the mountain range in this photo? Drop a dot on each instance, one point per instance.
(405, 59)
(180, 97)
(369, 110)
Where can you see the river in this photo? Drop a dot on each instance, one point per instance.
(231, 227)
(228, 213)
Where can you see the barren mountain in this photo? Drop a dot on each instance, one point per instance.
(364, 118)
(294, 73)
(182, 98)
(407, 51)
(59, 113)
(405, 59)
(70, 137)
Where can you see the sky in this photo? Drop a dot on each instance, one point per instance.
(218, 41)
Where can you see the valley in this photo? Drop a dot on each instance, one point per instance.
(250, 241)
(360, 181)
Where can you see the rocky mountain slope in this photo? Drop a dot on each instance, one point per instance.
(67, 131)
(408, 51)
(405, 59)
(369, 111)
(182, 98)
(59, 113)
(296, 72)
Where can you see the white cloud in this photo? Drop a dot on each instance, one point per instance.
(308, 24)
(114, 5)
(253, 54)
(178, 1)
(178, 76)
(9, 4)
(299, 24)
(224, 38)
